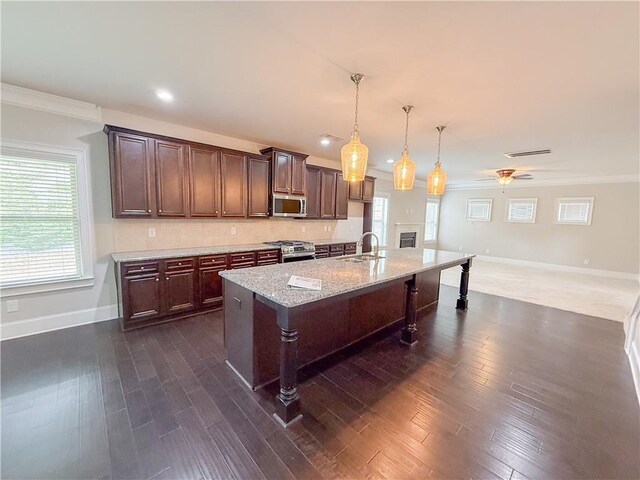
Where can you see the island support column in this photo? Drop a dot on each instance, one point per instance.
(287, 401)
(408, 335)
(462, 302)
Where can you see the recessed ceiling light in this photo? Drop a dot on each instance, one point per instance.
(164, 95)
(390, 160)
(325, 141)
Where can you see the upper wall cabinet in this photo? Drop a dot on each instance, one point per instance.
(171, 178)
(288, 171)
(204, 182)
(342, 197)
(234, 185)
(131, 160)
(362, 191)
(313, 192)
(258, 186)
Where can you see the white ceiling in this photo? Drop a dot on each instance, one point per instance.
(503, 77)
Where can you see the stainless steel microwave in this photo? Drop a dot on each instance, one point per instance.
(288, 206)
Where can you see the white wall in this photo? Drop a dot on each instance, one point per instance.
(611, 242)
(44, 311)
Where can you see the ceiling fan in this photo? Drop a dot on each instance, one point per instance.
(506, 176)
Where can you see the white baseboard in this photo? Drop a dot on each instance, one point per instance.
(58, 321)
(563, 268)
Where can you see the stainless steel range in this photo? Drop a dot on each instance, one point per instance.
(295, 250)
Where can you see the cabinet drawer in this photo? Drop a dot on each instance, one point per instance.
(236, 266)
(180, 264)
(322, 254)
(269, 255)
(336, 254)
(142, 267)
(336, 248)
(243, 257)
(273, 261)
(214, 261)
(349, 248)
(322, 249)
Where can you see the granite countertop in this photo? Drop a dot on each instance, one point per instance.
(338, 276)
(187, 252)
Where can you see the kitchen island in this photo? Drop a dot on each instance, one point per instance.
(272, 330)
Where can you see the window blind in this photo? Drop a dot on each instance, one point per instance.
(573, 212)
(39, 221)
(380, 217)
(521, 211)
(479, 210)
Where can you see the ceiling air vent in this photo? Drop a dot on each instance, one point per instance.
(527, 154)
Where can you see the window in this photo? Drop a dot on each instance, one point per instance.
(44, 218)
(479, 209)
(431, 220)
(521, 210)
(574, 211)
(381, 217)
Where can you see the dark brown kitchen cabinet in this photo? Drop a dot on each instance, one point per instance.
(132, 175)
(288, 171)
(210, 286)
(342, 197)
(258, 186)
(313, 192)
(234, 191)
(204, 182)
(362, 191)
(141, 297)
(179, 291)
(327, 194)
(171, 178)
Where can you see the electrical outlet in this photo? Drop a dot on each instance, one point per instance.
(325, 228)
(329, 227)
(486, 251)
(13, 306)
(587, 261)
(152, 232)
(233, 230)
(304, 229)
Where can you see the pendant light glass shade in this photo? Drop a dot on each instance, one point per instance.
(354, 154)
(354, 159)
(437, 178)
(404, 170)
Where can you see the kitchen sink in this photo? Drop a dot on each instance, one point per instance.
(360, 258)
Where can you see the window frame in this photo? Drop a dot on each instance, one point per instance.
(85, 217)
(471, 201)
(560, 200)
(435, 201)
(383, 241)
(533, 200)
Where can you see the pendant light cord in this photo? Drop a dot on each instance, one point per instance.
(440, 129)
(407, 109)
(355, 126)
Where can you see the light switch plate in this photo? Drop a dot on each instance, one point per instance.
(329, 227)
(152, 233)
(233, 230)
(13, 306)
(587, 261)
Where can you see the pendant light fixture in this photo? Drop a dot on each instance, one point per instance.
(404, 170)
(354, 154)
(437, 178)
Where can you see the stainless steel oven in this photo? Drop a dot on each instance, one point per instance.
(288, 206)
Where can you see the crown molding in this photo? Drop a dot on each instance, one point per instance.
(46, 102)
(631, 178)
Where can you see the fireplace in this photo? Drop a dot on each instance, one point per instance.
(408, 239)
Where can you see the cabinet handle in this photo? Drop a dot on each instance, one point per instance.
(179, 263)
(157, 279)
(160, 211)
(141, 268)
(216, 212)
(166, 278)
(224, 211)
(149, 211)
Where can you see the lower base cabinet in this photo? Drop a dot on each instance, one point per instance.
(158, 291)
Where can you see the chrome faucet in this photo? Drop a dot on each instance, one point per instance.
(376, 250)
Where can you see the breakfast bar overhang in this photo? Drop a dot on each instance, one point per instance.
(272, 330)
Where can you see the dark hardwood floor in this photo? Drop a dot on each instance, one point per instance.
(508, 390)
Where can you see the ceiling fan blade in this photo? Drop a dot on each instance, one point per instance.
(522, 176)
(485, 179)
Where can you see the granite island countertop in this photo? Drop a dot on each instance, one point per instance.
(338, 275)
(187, 252)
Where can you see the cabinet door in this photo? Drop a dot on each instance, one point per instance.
(298, 174)
(355, 190)
(281, 172)
(342, 197)
(313, 192)
(204, 182)
(141, 297)
(258, 186)
(234, 192)
(171, 181)
(210, 286)
(132, 182)
(368, 189)
(327, 194)
(179, 291)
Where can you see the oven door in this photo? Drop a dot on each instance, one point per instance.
(289, 206)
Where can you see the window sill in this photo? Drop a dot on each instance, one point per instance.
(16, 290)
